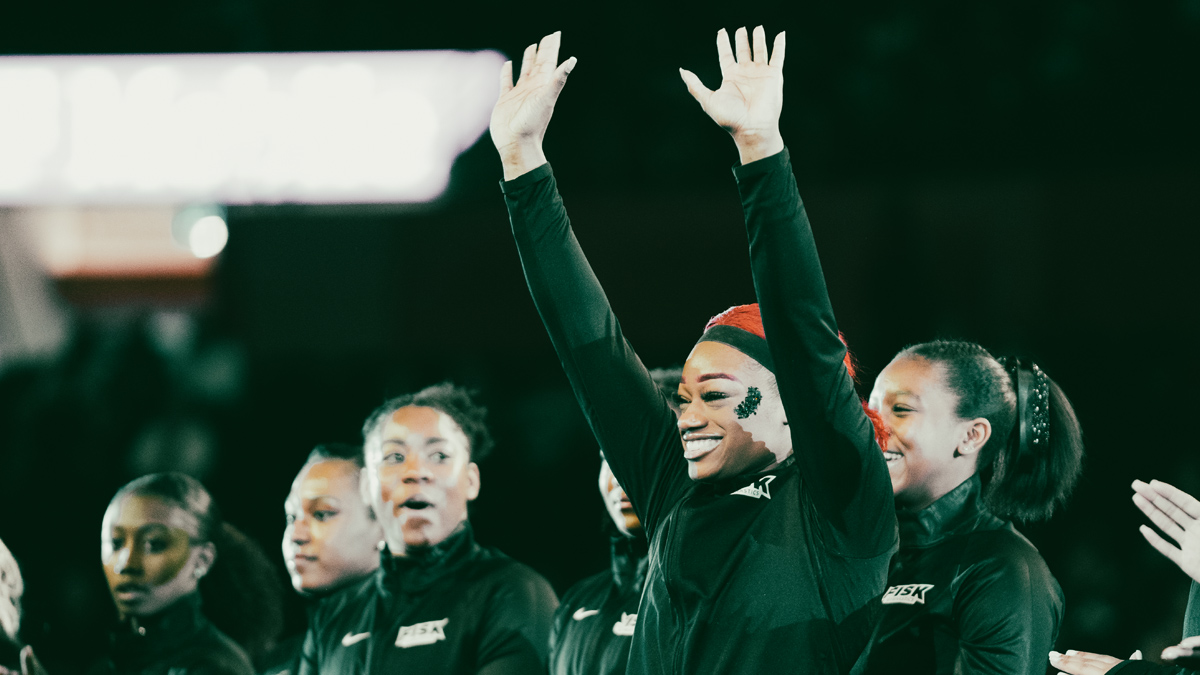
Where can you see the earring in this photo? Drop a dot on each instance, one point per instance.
(199, 573)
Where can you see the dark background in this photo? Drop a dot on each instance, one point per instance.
(1021, 174)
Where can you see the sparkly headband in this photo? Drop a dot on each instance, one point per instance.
(744, 341)
(1033, 406)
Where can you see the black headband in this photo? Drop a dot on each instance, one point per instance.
(744, 341)
(1032, 431)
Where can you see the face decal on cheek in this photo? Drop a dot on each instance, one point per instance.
(749, 405)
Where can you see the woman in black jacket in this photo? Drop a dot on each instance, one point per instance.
(163, 546)
(973, 443)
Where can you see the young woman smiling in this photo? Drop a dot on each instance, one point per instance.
(974, 442)
(762, 560)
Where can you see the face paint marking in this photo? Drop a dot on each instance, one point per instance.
(749, 405)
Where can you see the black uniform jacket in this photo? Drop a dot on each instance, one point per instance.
(967, 595)
(284, 659)
(178, 640)
(772, 572)
(459, 608)
(594, 624)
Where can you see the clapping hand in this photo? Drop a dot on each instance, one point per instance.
(523, 111)
(1175, 512)
(750, 98)
(1087, 663)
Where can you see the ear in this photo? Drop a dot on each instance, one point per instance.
(472, 481)
(206, 555)
(978, 431)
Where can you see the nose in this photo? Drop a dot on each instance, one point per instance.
(690, 418)
(300, 531)
(416, 470)
(128, 561)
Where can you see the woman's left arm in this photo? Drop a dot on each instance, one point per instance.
(833, 440)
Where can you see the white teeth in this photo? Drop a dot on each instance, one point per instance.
(892, 455)
(695, 449)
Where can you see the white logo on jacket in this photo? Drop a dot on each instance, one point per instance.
(626, 625)
(581, 613)
(419, 634)
(758, 489)
(906, 594)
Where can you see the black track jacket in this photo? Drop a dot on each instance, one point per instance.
(967, 595)
(460, 609)
(773, 572)
(594, 624)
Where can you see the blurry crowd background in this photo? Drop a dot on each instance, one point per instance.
(1032, 165)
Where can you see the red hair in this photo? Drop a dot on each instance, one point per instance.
(749, 319)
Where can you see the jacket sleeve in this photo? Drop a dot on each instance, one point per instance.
(516, 627)
(1148, 668)
(1007, 612)
(629, 417)
(844, 472)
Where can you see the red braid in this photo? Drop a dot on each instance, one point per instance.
(749, 319)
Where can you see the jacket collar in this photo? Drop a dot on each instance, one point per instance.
(421, 568)
(629, 561)
(729, 486)
(959, 511)
(148, 639)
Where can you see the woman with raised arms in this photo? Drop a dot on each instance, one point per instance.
(762, 560)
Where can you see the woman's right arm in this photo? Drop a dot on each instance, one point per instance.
(629, 417)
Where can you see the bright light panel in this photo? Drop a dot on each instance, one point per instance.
(349, 127)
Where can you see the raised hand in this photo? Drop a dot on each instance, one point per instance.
(750, 98)
(523, 111)
(1175, 512)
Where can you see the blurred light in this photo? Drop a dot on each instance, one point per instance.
(239, 128)
(201, 229)
(208, 236)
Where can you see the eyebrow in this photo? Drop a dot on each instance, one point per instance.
(716, 376)
(905, 392)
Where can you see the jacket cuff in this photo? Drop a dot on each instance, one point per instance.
(526, 179)
(777, 161)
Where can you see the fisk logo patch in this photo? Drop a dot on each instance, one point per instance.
(758, 489)
(907, 594)
(419, 634)
(626, 625)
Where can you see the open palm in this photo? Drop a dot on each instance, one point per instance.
(750, 99)
(523, 111)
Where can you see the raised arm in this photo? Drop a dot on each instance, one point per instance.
(833, 440)
(627, 414)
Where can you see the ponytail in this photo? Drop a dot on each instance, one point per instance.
(242, 595)
(1033, 459)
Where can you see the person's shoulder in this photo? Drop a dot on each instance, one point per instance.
(497, 571)
(1004, 556)
(355, 595)
(587, 590)
(217, 654)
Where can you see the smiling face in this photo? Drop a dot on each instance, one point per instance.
(330, 536)
(616, 502)
(148, 555)
(930, 450)
(731, 418)
(420, 477)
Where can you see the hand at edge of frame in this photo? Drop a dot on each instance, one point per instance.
(750, 99)
(1175, 512)
(1087, 663)
(522, 112)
